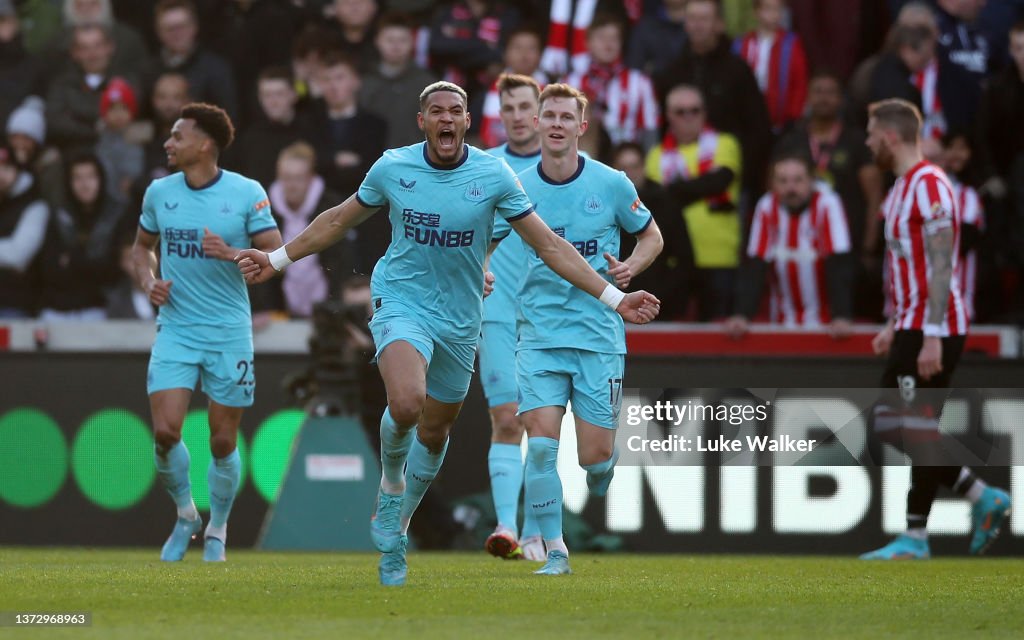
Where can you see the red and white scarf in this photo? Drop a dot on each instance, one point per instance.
(675, 167)
(567, 51)
(927, 82)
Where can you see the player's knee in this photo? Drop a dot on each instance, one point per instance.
(595, 453)
(541, 455)
(507, 427)
(222, 444)
(166, 438)
(405, 411)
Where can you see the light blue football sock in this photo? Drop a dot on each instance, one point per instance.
(223, 477)
(394, 450)
(172, 468)
(420, 471)
(505, 463)
(543, 486)
(530, 527)
(599, 474)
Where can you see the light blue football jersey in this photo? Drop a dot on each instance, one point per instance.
(442, 219)
(208, 305)
(508, 259)
(588, 210)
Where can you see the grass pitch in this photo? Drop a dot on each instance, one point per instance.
(277, 595)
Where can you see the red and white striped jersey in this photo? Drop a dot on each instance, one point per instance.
(796, 245)
(922, 197)
(971, 213)
(629, 106)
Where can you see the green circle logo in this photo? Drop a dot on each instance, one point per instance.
(33, 458)
(271, 451)
(195, 433)
(112, 459)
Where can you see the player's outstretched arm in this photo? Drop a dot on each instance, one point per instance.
(326, 229)
(639, 307)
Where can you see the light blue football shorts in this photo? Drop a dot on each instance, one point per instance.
(228, 377)
(498, 363)
(591, 380)
(449, 364)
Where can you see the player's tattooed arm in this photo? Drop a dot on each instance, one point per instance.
(939, 246)
(329, 227)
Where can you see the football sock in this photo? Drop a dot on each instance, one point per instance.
(172, 467)
(505, 464)
(419, 473)
(394, 450)
(223, 477)
(969, 485)
(556, 544)
(917, 533)
(544, 487)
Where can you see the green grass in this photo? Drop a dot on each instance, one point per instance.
(276, 595)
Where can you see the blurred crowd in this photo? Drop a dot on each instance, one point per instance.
(741, 123)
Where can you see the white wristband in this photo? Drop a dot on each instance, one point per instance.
(611, 296)
(932, 331)
(279, 258)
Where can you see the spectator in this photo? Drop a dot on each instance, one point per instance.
(776, 56)
(308, 51)
(1001, 152)
(840, 158)
(466, 43)
(26, 133)
(296, 197)
(130, 51)
(170, 94)
(734, 103)
(255, 152)
(122, 158)
(917, 13)
(253, 36)
(19, 70)
(943, 92)
(352, 31)
(799, 231)
(658, 38)
(956, 160)
(126, 300)
(701, 168)
(79, 256)
(664, 277)
(209, 77)
(962, 43)
(391, 90)
(23, 219)
(352, 139)
(73, 102)
(522, 56)
(622, 103)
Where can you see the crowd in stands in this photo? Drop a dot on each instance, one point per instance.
(741, 123)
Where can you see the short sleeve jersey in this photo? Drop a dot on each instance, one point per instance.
(442, 220)
(208, 305)
(509, 259)
(589, 210)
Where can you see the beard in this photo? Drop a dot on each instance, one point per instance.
(795, 204)
(884, 158)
